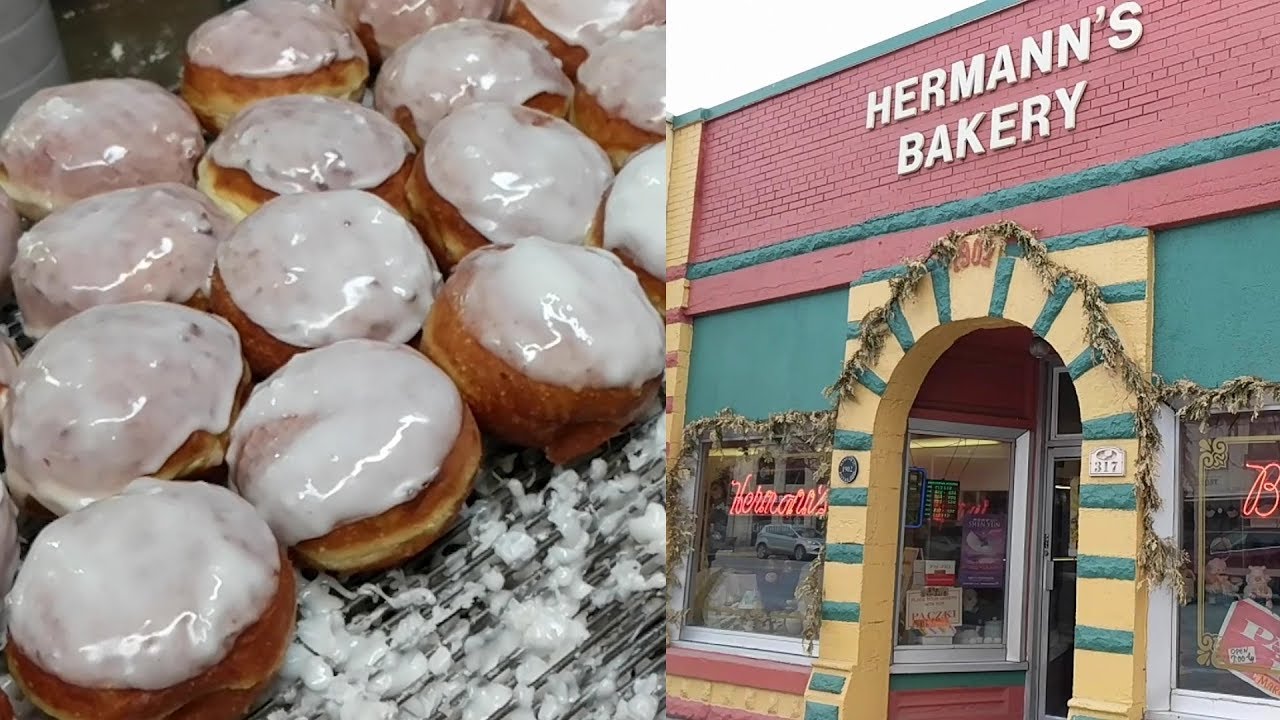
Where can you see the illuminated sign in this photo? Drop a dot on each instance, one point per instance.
(1263, 499)
(759, 501)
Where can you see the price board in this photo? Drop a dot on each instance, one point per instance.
(913, 504)
(942, 501)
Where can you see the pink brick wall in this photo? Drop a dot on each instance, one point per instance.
(804, 162)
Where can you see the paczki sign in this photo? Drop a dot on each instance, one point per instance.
(1006, 125)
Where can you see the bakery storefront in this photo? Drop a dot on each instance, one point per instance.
(972, 400)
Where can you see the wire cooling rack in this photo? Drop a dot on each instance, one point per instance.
(544, 602)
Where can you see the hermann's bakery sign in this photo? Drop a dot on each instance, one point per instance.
(1009, 124)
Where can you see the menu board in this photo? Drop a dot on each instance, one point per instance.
(913, 515)
(942, 501)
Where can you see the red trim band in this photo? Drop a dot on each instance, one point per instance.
(734, 670)
(682, 709)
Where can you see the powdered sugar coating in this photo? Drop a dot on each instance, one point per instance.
(463, 62)
(10, 230)
(273, 38)
(155, 242)
(513, 172)
(72, 141)
(310, 459)
(589, 23)
(146, 589)
(307, 143)
(317, 268)
(561, 314)
(635, 215)
(396, 22)
(79, 426)
(627, 76)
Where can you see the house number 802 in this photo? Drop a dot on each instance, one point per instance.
(971, 253)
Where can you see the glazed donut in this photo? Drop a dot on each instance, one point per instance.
(117, 392)
(10, 231)
(305, 143)
(68, 142)
(621, 96)
(10, 357)
(495, 173)
(9, 549)
(386, 25)
(309, 270)
(359, 454)
(635, 221)
(268, 48)
(171, 600)
(463, 62)
(573, 29)
(552, 346)
(155, 242)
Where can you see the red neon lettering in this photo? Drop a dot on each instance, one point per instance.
(1267, 485)
(757, 501)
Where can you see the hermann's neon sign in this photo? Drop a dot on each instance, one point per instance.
(758, 501)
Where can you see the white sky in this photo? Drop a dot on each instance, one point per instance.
(718, 50)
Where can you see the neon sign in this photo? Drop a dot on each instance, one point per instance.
(758, 501)
(1263, 499)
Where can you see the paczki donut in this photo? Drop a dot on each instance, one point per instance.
(553, 346)
(386, 25)
(574, 28)
(359, 454)
(635, 221)
(268, 48)
(10, 231)
(171, 600)
(118, 392)
(155, 242)
(69, 142)
(621, 97)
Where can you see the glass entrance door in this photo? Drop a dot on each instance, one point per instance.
(1061, 493)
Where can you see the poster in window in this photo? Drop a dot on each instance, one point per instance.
(982, 551)
(933, 611)
(1249, 646)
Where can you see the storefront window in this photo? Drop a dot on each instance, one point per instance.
(763, 515)
(1229, 631)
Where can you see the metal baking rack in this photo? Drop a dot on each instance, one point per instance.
(619, 660)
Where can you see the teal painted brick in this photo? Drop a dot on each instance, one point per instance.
(1087, 360)
(854, 331)
(1116, 496)
(845, 553)
(841, 611)
(1094, 237)
(847, 497)
(874, 276)
(1124, 292)
(1053, 306)
(1111, 427)
(852, 440)
(820, 711)
(822, 682)
(901, 329)
(1000, 288)
(1106, 568)
(941, 275)
(1119, 642)
(872, 382)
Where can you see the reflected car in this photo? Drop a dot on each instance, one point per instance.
(796, 542)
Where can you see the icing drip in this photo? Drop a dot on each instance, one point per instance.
(396, 22)
(79, 426)
(8, 541)
(146, 589)
(589, 23)
(561, 314)
(150, 243)
(10, 230)
(317, 268)
(73, 141)
(463, 62)
(306, 143)
(627, 76)
(635, 215)
(310, 459)
(513, 172)
(273, 38)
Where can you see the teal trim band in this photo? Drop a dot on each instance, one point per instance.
(1119, 642)
(1000, 289)
(839, 65)
(845, 553)
(855, 330)
(941, 275)
(851, 440)
(1117, 496)
(871, 277)
(1052, 306)
(1094, 237)
(1087, 360)
(901, 329)
(847, 497)
(820, 711)
(956, 680)
(841, 611)
(1124, 292)
(823, 682)
(1111, 427)
(1170, 159)
(872, 382)
(1106, 568)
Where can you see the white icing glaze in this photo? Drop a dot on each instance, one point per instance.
(8, 541)
(72, 141)
(627, 76)
(10, 230)
(635, 215)
(396, 22)
(10, 356)
(155, 242)
(343, 433)
(274, 38)
(561, 314)
(463, 62)
(146, 589)
(588, 23)
(513, 172)
(305, 143)
(79, 426)
(316, 268)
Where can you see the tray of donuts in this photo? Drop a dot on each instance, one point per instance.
(273, 331)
